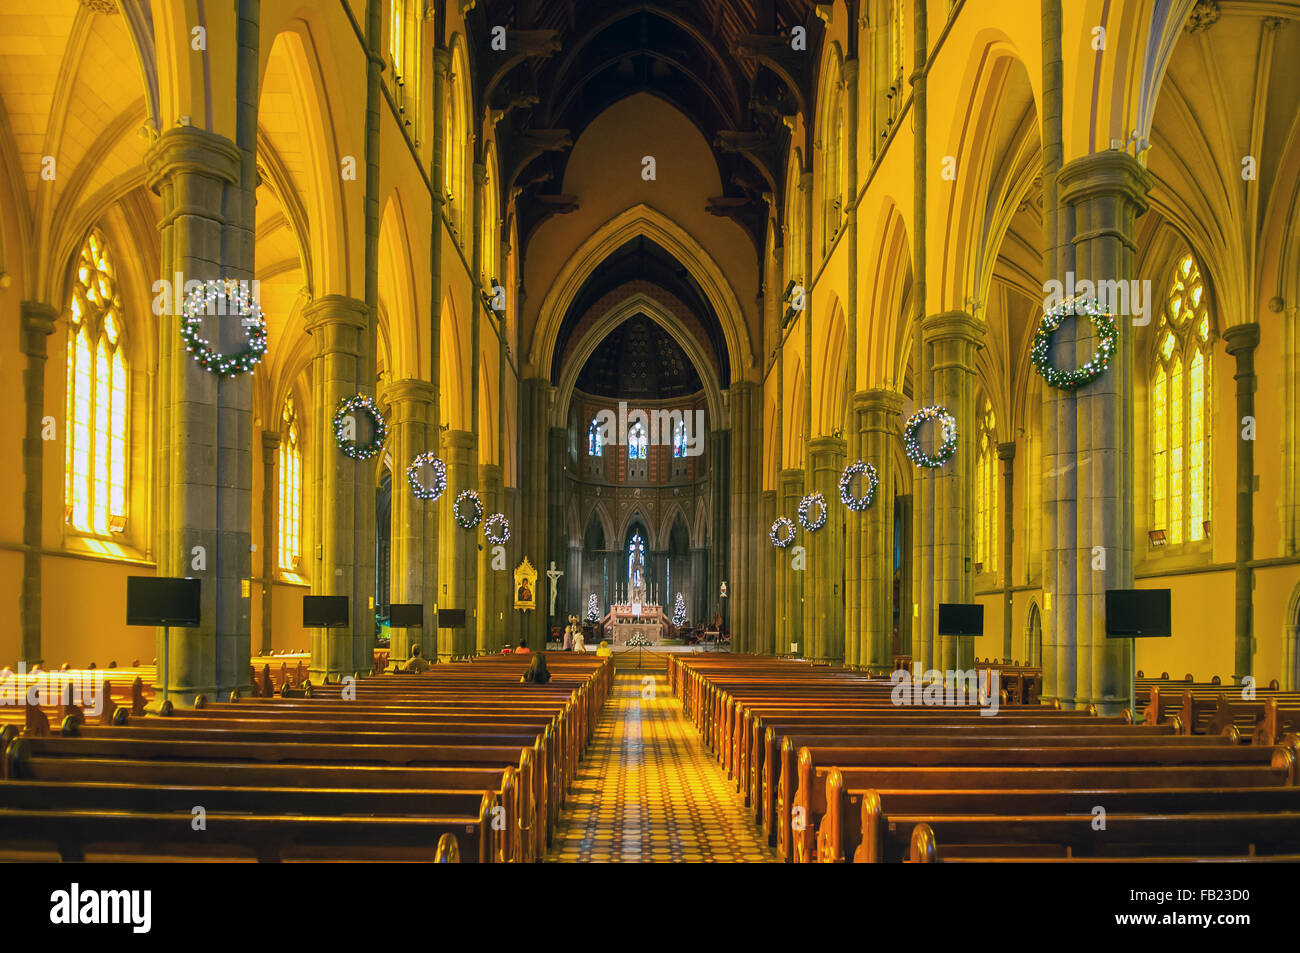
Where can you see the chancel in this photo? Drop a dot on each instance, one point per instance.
(669, 402)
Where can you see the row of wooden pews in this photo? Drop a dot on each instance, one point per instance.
(1264, 714)
(464, 763)
(831, 769)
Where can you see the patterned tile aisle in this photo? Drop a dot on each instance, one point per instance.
(648, 791)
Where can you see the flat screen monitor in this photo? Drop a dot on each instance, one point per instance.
(451, 618)
(161, 600)
(325, 612)
(959, 618)
(405, 615)
(1138, 614)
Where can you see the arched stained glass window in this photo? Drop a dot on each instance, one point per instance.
(1180, 409)
(95, 488)
(679, 438)
(636, 442)
(290, 501)
(595, 446)
(986, 490)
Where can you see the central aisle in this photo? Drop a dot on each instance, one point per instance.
(648, 791)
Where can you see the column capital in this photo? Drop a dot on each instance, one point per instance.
(335, 310)
(38, 323)
(270, 440)
(1241, 338)
(878, 400)
(409, 390)
(953, 326)
(458, 440)
(1007, 451)
(827, 446)
(194, 150)
(1104, 174)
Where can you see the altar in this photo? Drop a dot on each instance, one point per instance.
(630, 620)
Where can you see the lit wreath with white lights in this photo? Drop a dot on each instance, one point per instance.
(348, 407)
(858, 503)
(812, 525)
(421, 490)
(468, 522)
(239, 302)
(499, 537)
(948, 445)
(1107, 340)
(782, 540)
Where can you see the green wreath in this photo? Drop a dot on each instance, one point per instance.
(239, 302)
(1107, 341)
(347, 409)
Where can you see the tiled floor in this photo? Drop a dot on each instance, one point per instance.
(648, 791)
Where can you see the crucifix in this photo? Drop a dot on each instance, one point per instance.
(554, 575)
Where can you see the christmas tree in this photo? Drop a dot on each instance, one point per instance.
(593, 610)
(679, 611)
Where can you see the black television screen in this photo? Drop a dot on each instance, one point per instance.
(161, 600)
(405, 615)
(451, 618)
(957, 618)
(325, 612)
(1138, 613)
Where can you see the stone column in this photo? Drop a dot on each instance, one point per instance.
(37, 324)
(1007, 454)
(720, 490)
(790, 581)
(458, 552)
(1106, 192)
(876, 415)
(190, 169)
(493, 583)
(337, 325)
(769, 612)
(1242, 339)
(270, 532)
(697, 604)
(952, 340)
(534, 406)
(745, 408)
(412, 430)
(557, 529)
(824, 608)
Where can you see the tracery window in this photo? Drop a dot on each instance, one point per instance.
(986, 490)
(290, 489)
(1179, 432)
(97, 426)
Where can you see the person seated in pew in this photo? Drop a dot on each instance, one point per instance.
(418, 662)
(522, 648)
(603, 650)
(537, 673)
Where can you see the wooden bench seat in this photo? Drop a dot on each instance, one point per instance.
(852, 826)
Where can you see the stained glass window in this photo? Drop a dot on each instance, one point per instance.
(290, 465)
(594, 445)
(986, 491)
(636, 442)
(395, 30)
(95, 487)
(1180, 409)
(679, 438)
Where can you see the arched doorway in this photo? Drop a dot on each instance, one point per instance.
(1291, 644)
(1034, 637)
